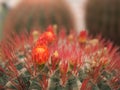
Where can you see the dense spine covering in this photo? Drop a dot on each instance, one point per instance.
(58, 62)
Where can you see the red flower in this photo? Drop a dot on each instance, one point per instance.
(47, 37)
(40, 54)
(50, 36)
(83, 36)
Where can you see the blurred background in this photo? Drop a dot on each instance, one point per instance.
(97, 16)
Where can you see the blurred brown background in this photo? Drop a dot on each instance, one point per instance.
(76, 7)
(96, 16)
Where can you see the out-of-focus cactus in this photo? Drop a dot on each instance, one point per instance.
(58, 62)
(34, 14)
(3, 12)
(103, 17)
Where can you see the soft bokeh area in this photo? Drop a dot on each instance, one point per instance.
(99, 17)
(76, 7)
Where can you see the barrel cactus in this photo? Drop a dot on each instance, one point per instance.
(34, 14)
(102, 17)
(58, 62)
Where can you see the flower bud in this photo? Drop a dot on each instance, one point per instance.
(83, 37)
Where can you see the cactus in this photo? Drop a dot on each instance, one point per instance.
(38, 14)
(58, 62)
(102, 17)
(3, 12)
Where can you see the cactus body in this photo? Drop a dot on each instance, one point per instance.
(58, 62)
(38, 14)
